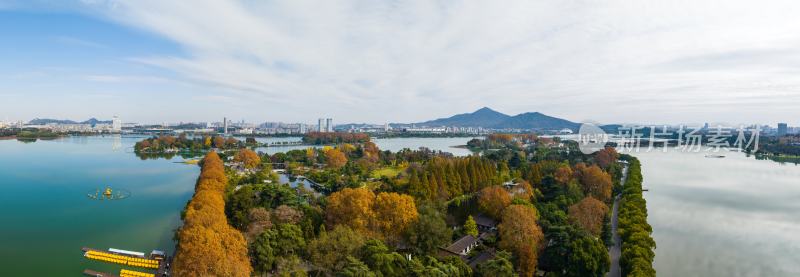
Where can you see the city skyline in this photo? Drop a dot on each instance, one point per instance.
(151, 61)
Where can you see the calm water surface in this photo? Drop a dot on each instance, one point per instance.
(392, 144)
(47, 218)
(735, 216)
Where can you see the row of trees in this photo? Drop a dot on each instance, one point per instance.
(443, 178)
(207, 245)
(637, 244)
(334, 138)
(168, 142)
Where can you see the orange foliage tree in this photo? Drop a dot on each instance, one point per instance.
(385, 216)
(394, 213)
(207, 245)
(492, 200)
(563, 174)
(248, 158)
(520, 234)
(351, 207)
(588, 214)
(219, 142)
(606, 157)
(335, 158)
(595, 181)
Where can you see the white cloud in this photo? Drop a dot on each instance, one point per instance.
(619, 61)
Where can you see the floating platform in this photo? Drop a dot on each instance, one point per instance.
(155, 261)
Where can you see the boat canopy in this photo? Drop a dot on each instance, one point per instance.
(126, 252)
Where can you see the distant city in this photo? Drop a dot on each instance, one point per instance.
(480, 122)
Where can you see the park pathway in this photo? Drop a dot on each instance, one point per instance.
(616, 248)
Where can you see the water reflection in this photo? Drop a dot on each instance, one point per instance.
(732, 216)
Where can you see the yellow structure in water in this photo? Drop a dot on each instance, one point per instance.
(121, 259)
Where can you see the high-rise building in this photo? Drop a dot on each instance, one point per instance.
(321, 125)
(225, 125)
(782, 129)
(329, 125)
(116, 124)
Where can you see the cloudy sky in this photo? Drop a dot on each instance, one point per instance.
(401, 61)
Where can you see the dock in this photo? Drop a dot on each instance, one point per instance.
(155, 261)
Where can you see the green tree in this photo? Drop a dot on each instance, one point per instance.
(330, 250)
(378, 257)
(430, 232)
(355, 268)
(284, 241)
(588, 257)
(470, 227)
(499, 266)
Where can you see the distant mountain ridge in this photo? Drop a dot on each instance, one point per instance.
(43, 121)
(481, 118)
(488, 118)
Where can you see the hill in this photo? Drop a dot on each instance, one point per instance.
(491, 119)
(481, 118)
(536, 121)
(44, 121)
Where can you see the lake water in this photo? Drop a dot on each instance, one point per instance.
(392, 144)
(47, 217)
(734, 216)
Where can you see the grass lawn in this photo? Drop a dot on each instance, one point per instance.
(388, 171)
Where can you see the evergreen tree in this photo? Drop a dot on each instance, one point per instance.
(470, 227)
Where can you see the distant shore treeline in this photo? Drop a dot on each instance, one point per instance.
(319, 138)
(167, 143)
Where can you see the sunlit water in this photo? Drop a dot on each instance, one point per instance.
(734, 216)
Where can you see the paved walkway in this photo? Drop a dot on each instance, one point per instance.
(616, 248)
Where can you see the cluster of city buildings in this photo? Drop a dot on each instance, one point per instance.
(445, 130)
(229, 127)
(113, 126)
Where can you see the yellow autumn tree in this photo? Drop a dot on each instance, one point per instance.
(351, 207)
(335, 158)
(207, 245)
(520, 234)
(595, 181)
(248, 158)
(492, 200)
(394, 213)
(588, 214)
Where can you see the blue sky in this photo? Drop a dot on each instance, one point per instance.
(400, 61)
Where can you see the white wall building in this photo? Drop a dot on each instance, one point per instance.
(116, 124)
